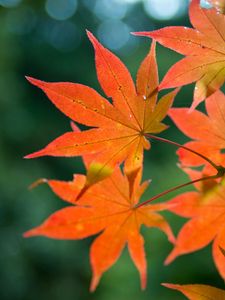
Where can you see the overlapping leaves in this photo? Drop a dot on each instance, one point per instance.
(206, 210)
(119, 128)
(206, 131)
(108, 208)
(206, 206)
(106, 201)
(204, 48)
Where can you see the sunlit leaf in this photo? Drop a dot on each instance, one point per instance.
(204, 48)
(119, 128)
(108, 209)
(198, 291)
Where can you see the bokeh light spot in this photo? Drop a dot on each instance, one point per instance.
(205, 4)
(131, 1)
(21, 21)
(9, 3)
(110, 9)
(61, 9)
(114, 34)
(165, 9)
(62, 36)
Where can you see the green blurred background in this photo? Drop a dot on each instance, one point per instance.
(46, 40)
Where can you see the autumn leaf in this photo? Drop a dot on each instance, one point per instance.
(107, 208)
(206, 210)
(207, 131)
(198, 291)
(118, 129)
(204, 48)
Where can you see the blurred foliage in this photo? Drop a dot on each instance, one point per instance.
(47, 40)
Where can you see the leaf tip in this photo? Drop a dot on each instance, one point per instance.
(33, 155)
(193, 107)
(30, 233)
(163, 85)
(93, 40)
(166, 284)
(26, 234)
(37, 183)
(170, 285)
(32, 80)
(143, 282)
(172, 238)
(90, 35)
(94, 283)
(176, 91)
(28, 156)
(170, 258)
(28, 78)
(88, 32)
(74, 127)
(141, 33)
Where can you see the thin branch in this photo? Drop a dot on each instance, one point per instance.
(184, 147)
(176, 188)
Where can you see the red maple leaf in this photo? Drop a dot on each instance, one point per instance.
(119, 128)
(206, 210)
(204, 47)
(108, 208)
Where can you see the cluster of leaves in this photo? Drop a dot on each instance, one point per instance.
(106, 200)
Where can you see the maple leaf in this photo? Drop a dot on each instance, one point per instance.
(206, 210)
(107, 208)
(204, 47)
(119, 128)
(207, 131)
(198, 291)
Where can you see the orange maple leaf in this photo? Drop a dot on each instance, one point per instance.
(198, 291)
(206, 208)
(204, 47)
(119, 128)
(108, 208)
(207, 131)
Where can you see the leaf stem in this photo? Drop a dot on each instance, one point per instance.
(218, 175)
(184, 147)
